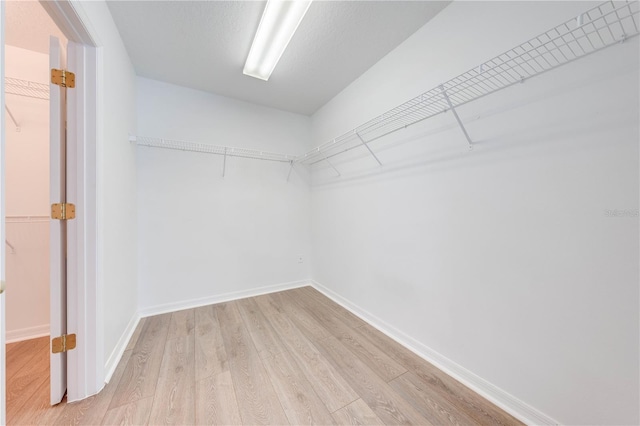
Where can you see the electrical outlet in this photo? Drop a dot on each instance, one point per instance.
(300, 259)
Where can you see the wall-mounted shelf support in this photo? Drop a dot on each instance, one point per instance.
(290, 170)
(225, 151)
(597, 28)
(15, 122)
(455, 114)
(13, 249)
(224, 163)
(369, 149)
(332, 166)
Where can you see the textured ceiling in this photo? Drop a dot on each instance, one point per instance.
(29, 26)
(204, 44)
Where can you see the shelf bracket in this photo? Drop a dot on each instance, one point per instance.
(224, 163)
(332, 166)
(290, 170)
(12, 118)
(369, 149)
(13, 249)
(455, 114)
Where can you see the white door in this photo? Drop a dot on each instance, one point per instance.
(58, 240)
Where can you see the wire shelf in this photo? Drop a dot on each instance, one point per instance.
(599, 27)
(30, 89)
(211, 149)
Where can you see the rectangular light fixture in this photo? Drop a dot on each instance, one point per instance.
(279, 22)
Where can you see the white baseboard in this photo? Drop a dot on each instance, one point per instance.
(21, 334)
(220, 298)
(118, 351)
(499, 397)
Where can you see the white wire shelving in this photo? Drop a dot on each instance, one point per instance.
(225, 151)
(26, 88)
(602, 26)
(30, 89)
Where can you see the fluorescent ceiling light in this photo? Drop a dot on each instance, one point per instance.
(280, 20)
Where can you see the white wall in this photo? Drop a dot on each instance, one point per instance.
(202, 237)
(117, 221)
(27, 200)
(502, 260)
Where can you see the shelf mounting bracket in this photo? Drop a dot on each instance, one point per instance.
(455, 114)
(332, 166)
(15, 122)
(369, 149)
(290, 170)
(224, 163)
(11, 246)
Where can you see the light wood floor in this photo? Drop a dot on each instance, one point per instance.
(293, 357)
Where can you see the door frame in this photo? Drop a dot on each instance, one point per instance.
(3, 375)
(85, 364)
(86, 375)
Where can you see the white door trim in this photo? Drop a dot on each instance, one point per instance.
(86, 375)
(3, 393)
(88, 371)
(59, 244)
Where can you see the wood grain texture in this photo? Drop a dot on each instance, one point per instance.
(21, 354)
(356, 413)
(28, 386)
(293, 357)
(378, 395)
(300, 317)
(216, 402)
(265, 338)
(36, 371)
(174, 399)
(301, 404)
(91, 411)
(25, 405)
(328, 383)
(256, 398)
(483, 411)
(310, 293)
(211, 355)
(135, 413)
(369, 353)
(140, 377)
(182, 324)
(430, 404)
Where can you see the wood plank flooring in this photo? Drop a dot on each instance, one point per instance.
(293, 357)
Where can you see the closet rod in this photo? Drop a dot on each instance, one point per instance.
(600, 27)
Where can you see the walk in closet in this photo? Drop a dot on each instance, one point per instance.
(363, 212)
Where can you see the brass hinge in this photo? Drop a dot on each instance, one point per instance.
(64, 343)
(63, 211)
(63, 78)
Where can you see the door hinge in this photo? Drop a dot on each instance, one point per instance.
(63, 78)
(63, 211)
(64, 343)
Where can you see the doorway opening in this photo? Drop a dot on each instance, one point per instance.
(28, 28)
